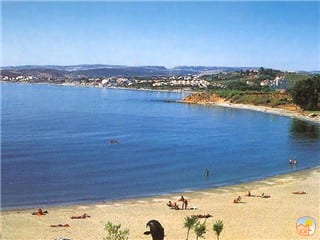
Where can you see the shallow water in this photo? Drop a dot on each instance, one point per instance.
(56, 144)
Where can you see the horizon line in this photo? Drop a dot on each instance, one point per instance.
(167, 67)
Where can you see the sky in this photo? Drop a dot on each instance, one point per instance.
(280, 35)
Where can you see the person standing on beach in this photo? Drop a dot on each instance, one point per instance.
(184, 202)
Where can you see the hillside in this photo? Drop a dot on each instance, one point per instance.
(268, 99)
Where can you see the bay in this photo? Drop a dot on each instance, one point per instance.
(55, 144)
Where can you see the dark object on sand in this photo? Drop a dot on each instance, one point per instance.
(156, 230)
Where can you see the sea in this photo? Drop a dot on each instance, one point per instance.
(65, 145)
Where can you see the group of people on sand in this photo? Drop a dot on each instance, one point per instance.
(83, 216)
(238, 199)
(41, 212)
(175, 205)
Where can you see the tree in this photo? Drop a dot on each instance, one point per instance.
(218, 227)
(200, 229)
(305, 93)
(189, 223)
(114, 232)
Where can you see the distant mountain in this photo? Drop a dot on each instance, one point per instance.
(29, 71)
(124, 71)
(103, 70)
(86, 70)
(309, 72)
(62, 68)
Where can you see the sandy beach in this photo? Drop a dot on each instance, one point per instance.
(288, 111)
(253, 218)
(278, 111)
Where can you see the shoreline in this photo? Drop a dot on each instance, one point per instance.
(276, 111)
(269, 110)
(195, 191)
(274, 217)
(150, 196)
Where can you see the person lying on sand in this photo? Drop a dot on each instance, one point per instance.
(40, 212)
(60, 225)
(249, 194)
(175, 206)
(302, 192)
(170, 204)
(202, 215)
(83, 216)
(265, 196)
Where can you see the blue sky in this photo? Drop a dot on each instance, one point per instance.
(282, 35)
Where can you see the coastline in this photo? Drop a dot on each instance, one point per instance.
(270, 218)
(270, 110)
(277, 111)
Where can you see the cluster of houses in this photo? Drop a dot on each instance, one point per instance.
(277, 83)
(173, 81)
(17, 78)
(183, 82)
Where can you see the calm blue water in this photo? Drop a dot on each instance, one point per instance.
(55, 145)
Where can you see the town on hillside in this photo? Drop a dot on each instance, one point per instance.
(188, 79)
